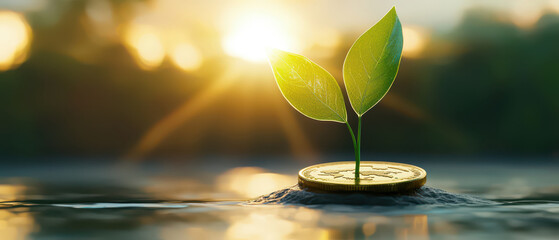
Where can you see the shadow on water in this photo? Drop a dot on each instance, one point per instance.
(423, 196)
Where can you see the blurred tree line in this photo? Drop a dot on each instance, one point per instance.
(495, 93)
(487, 87)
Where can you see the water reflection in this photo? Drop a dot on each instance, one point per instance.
(15, 225)
(252, 182)
(167, 206)
(9, 192)
(304, 223)
(416, 228)
(260, 226)
(277, 223)
(189, 232)
(381, 227)
(369, 229)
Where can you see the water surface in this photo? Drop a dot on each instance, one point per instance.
(94, 200)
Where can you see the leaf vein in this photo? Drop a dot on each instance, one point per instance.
(375, 67)
(310, 88)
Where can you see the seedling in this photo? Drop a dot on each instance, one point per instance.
(370, 67)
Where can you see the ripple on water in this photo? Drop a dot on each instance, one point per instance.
(122, 205)
(423, 196)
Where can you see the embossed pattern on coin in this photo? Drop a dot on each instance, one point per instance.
(380, 177)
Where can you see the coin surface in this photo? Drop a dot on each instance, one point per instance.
(377, 177)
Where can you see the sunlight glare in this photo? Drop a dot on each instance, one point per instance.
(554, 4)
(15, 36)
(253, 35)
(186, 57)
(10, 192)
(369, 229)
(261, 226)
(252, 182)
(278, 223)
(146, 46)
(328, 38)
(414, 42)
(526, 13)
(16, 225)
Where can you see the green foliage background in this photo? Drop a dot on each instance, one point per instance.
(495, 92)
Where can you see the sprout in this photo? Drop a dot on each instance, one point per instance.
(370, 68)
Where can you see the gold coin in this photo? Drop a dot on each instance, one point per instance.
(377, 177)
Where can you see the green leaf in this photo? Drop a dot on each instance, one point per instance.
(372, 63)
(308, 87)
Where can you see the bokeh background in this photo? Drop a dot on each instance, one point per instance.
(115, 112)
(184, 80)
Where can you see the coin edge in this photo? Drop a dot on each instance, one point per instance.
(407, 185)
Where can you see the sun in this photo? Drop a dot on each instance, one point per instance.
(251, 36)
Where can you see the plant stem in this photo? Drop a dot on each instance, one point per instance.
(356, 150)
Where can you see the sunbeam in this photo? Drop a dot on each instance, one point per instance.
(300, 146)
(153, 137)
